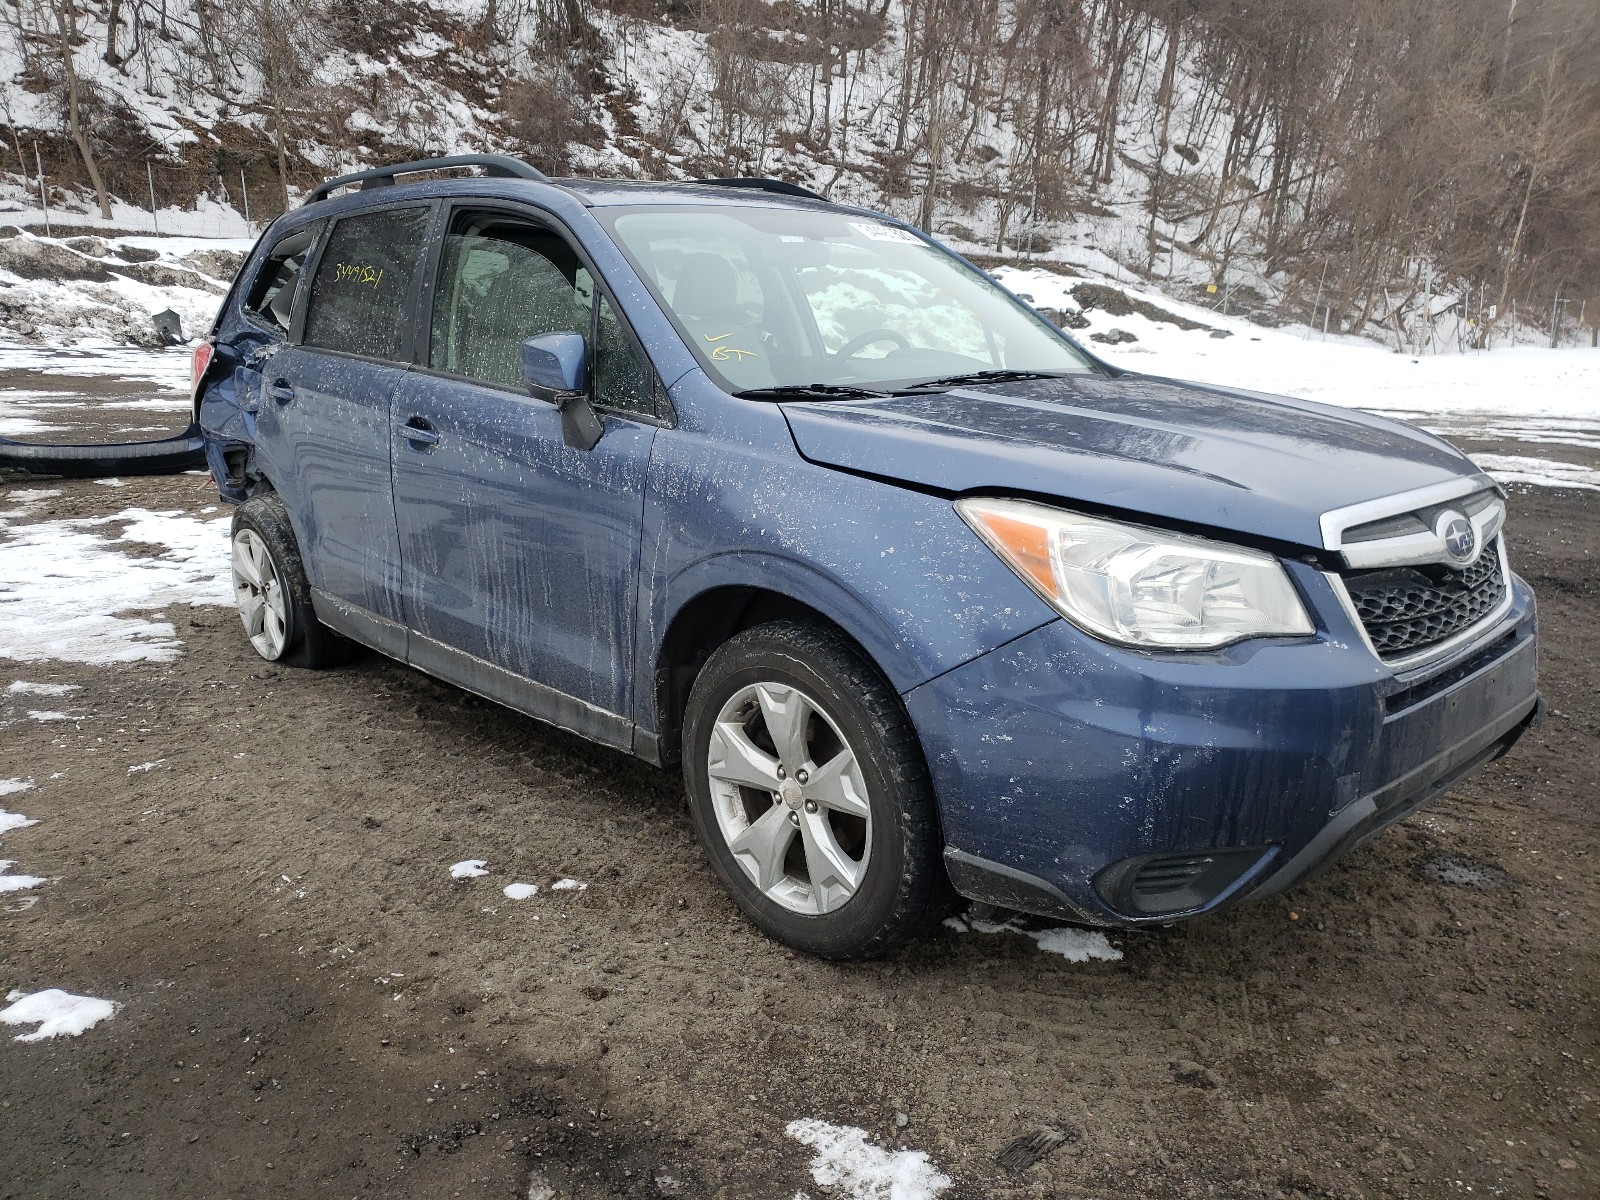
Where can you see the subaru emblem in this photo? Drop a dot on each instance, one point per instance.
(1459, 538)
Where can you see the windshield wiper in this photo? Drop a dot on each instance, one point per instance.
(811, 391)
(1000, 376)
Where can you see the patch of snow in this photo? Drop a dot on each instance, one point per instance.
(11, 820)
(49, 714)
(1515, 381)
(113, 481)
(10, 787)
(149, 766)
(168, 368)
(55, 1012)
(23, 687)
(845, 1161)
(1074, 945)
(1515, 468)
(520, 891)
(569, 885)
(65, 585)
(469, 868)
(17, 883)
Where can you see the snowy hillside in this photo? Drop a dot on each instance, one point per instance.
(92, 290)
(1317, 163)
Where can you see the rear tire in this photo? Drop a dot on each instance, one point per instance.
(810, 795)
(272, 593)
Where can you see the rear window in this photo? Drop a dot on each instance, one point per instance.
(359, 293)
(271, 296)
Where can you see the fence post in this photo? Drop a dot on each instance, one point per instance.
(44, 200)
(244, 192)
(150, 177)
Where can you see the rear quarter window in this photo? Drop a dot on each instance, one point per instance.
(270, 299)
(363, 281)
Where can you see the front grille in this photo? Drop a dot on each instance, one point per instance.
(1406, 610)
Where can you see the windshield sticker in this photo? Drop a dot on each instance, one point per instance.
(726, 353)
(885, 233)
(357, 273)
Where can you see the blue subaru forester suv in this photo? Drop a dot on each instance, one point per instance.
(919, 593)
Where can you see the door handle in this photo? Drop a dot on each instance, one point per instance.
(281, 390)
(419, 433)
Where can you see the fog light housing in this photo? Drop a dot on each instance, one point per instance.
(1154, 885)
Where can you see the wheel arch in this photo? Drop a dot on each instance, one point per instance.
(720, 610)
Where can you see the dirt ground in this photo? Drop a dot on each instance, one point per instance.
(310, 1006)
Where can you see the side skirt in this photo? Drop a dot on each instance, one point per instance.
(475, 675)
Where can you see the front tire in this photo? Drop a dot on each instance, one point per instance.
(272, 593)
(810, 794)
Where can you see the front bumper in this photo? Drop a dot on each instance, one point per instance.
(1107, 786)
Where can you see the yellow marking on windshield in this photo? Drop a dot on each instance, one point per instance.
(718, 338)
(724, 353)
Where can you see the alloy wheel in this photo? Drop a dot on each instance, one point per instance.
(789, 797)
(258, 591)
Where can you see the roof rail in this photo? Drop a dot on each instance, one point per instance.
(778, 186)
(497, 165)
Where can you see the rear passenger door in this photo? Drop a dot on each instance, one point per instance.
(325, 412)
(521, 553)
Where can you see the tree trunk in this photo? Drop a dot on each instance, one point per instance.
(67, 24)
(283, 156)
(1516, 237)
(113, 20)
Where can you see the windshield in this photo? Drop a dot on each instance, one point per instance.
(797, 298)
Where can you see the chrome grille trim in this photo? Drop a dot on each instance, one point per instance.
(1414, 548)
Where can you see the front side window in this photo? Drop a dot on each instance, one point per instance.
(623, 379)
(271, 296)
(363, 281)
(502, 281)
(791, 297)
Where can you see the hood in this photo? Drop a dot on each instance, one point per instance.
(1267, 466)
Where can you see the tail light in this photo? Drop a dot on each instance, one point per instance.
(198, 363)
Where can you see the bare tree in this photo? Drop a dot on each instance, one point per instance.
(67, 29)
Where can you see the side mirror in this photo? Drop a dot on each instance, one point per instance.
(555, 366)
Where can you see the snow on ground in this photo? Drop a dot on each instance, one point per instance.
(1515, 468)
(23, 687)
(520, 891)
(11, 820)
(469, 868)
(16, 883)
(168, 368)
(1074, 945)
(55, 1012)
(69, 592)
(1521, 383)
(8, 822)
(845, 1161)
(146, 766)
(82, 290)
(568, 885)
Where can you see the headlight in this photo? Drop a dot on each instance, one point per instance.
(1137, 586)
